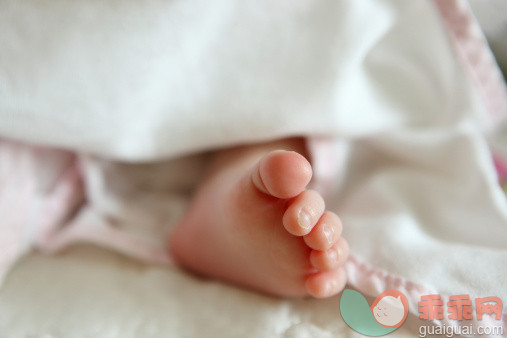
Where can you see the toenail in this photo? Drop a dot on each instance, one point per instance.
(332, 255)
(328, 233)
(339, 252)
(329, 287)
(304, 219)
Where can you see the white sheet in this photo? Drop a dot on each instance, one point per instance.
(87, 292)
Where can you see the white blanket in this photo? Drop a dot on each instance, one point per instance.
(387, 81)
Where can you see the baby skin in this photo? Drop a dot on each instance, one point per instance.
(252, 222)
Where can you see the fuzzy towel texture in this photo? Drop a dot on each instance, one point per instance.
(398, 106)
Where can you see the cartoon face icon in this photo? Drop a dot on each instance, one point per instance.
(390, 310)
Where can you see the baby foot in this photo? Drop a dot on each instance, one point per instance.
(258, 227)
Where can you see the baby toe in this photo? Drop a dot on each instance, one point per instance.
(282, 174)
(332, 258)
(326, 284)
(325, 233)
(303, 213)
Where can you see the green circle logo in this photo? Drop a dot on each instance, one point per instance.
(387, 313)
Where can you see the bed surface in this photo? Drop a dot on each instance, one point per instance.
(90, 292)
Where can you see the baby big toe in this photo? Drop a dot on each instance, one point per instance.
(282, 174)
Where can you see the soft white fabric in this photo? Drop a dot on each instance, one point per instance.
(147, 80)
(92, 293)
(153, 80)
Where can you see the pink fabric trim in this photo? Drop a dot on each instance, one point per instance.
(99, 233)
(67, 195)
(41, 192)
(39, 188)
(476, 56)
(501, 169)
(373, 281)
(327, 157)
